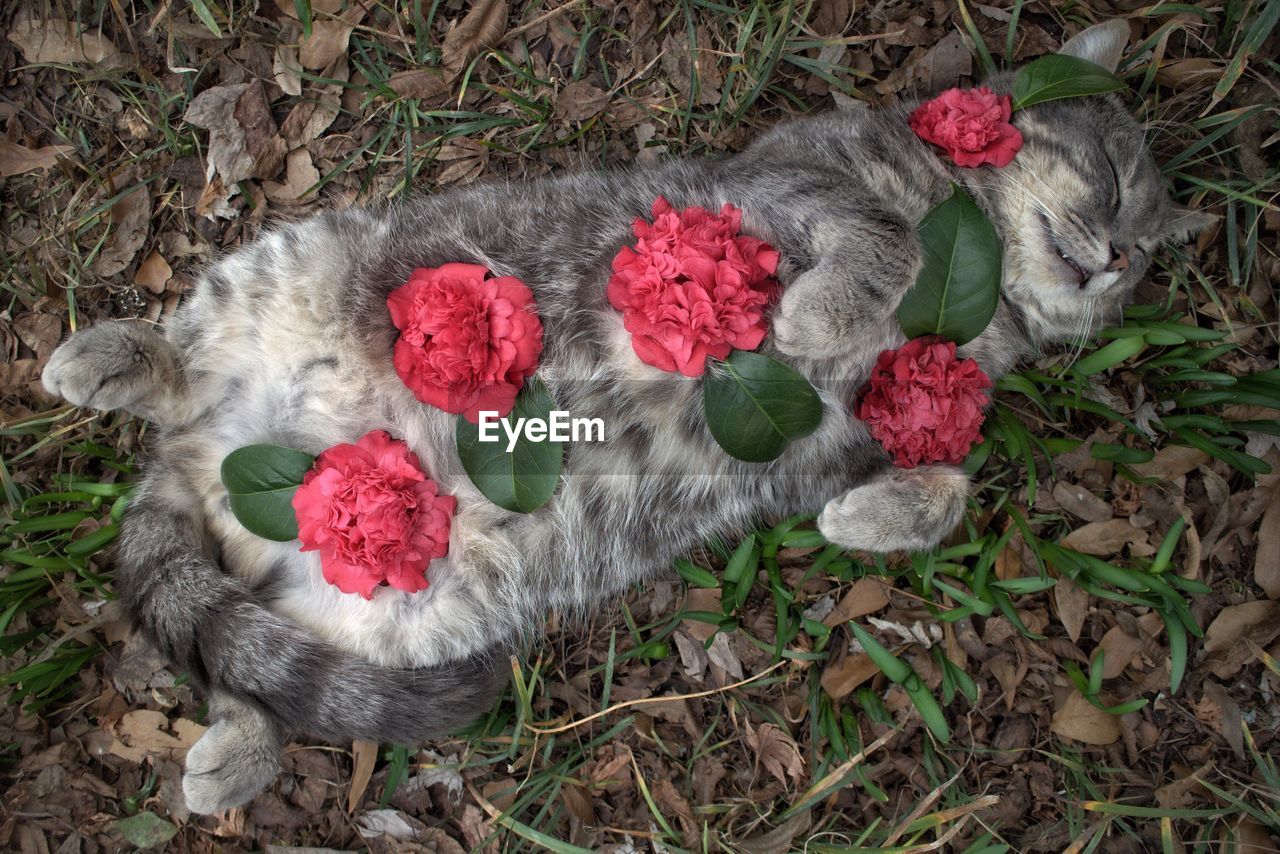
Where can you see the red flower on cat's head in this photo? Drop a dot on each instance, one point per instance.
(373, 515)
(467, 342)
(692, 287)
(923, 404)
(971, 124)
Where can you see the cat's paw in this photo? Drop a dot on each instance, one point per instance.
(117, 365)
(806, 325)
(900, 510)
(234, 760)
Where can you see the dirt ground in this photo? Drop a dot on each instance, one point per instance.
(137, 139)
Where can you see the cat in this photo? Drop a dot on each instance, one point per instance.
(288, 341)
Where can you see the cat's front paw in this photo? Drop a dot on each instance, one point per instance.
(900, 510)
(234, 760)
(116, 365)
(806, 325)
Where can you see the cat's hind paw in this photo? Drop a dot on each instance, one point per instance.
(806, 325)
(234, 760)
(900, 510)
(117, 365)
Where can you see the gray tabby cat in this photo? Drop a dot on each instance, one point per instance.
(289, 341)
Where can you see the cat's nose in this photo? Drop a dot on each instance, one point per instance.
(1119, 261)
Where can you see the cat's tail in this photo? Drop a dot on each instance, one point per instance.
(267, 676)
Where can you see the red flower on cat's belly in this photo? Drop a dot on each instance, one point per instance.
(467, 342)
(692, 287)
(971, 124)
(373, 516)
(923, 404)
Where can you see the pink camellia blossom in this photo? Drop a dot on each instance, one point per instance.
(923, 404)
(373, 515)
(692, 287)
(971, 124)
(467, 342)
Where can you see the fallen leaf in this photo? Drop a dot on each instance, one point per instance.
(312, 115)
(1171, 461)
(1189, 72)
(144, 732)
(1119, 647)
(130, 219)
(286, 70)
(243, 139)
(328, 41)
(58, 41)
(1080, 720)
(1079, 501)
(1266, 564)
(840, 679)
(16, 159)
(1104, 539)
(418, 83)
(300, 176)
(1233, 621)
(866, 596)
(481, 28)
(1073, 606)
(778, 840)
(580, 101)
(153, 273)
(777, 750)
(364, 755)
(145, 830)
(40, 331)
(393, 823)
(1229, 716)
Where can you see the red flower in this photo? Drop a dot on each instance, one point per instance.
(923, 404)
(467, 342)
(971, 124)
(692, 287)
(373, 516)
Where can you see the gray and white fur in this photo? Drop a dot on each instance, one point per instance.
(288, 341)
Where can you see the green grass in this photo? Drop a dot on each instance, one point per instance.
(65, 480)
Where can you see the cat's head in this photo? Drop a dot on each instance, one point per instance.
(1083, 205)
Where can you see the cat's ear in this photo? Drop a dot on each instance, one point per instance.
(1102, 44)
(1184, 223)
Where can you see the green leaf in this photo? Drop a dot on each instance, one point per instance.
(261, 480)
(894, 668)
(694, 575)
(146, 830)
(755, 405)
(523, 479)
(958, 288)
(1061, 76)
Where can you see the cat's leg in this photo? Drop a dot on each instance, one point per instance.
(865, 265)
(898, 510)
(235, 759)
(119, 365)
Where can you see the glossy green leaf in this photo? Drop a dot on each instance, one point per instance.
(956, 293)
(260, 481)
(1061, 76)
(756, 405)
(523, 479)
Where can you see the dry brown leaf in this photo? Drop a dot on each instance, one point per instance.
(840, 679)
(328, 41)
(1079, 501)
(40, 331)
(300, 176)
(59, 41)
(866, 596)
(364, 755)
(1104, 539)
(1080, 720)
(777, 750)
(580, 101)
(1234, 621)
(1191, 71)
(312, 115)
(419, 83)
(153, 273)
(482, 27)
(1170, 462)
(16, 159)
(243, 138)
(1073, 606)
(778, 840)
(1119, 647)
(286, 70)
(1266, 564)
(144, 732)
(130, 219)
